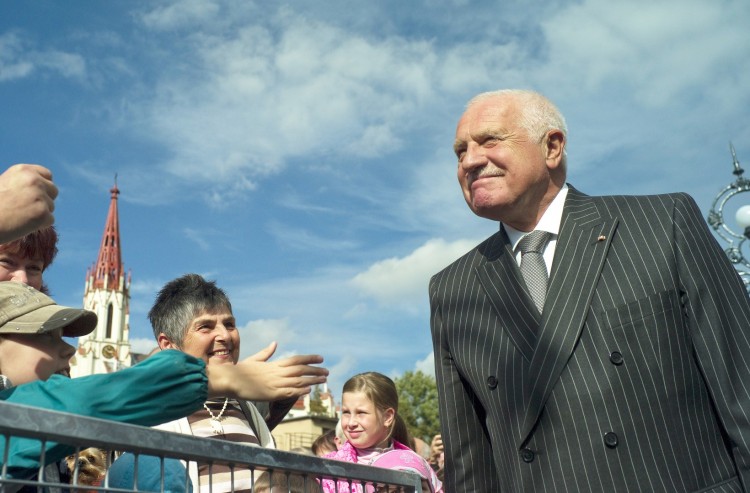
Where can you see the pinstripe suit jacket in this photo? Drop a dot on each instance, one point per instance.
(636, 377)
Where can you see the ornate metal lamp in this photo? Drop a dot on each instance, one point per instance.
(735, 240)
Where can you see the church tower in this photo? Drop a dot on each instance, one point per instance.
(107, 293)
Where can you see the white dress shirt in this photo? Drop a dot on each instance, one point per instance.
(549, 222)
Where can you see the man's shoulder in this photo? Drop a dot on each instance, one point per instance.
(654, 202)
(469, 259)
(661, 197)
(576, 196)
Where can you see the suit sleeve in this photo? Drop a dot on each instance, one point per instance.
(164, 387)
(717, 313)
(469, 463)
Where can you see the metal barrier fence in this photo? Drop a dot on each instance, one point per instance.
(80, 432)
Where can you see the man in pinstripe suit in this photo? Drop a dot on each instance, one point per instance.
(635, 376)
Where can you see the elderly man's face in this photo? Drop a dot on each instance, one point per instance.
(214, 338)
(502, 170)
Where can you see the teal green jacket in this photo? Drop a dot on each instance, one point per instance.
(164, 387)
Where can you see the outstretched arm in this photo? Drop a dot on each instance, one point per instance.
(137, 395)
(256, 378)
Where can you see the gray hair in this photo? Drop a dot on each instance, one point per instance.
(538, 114)
(180, 301)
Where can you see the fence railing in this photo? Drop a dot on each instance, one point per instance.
(78, 432)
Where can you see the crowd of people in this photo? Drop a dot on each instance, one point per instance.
(196, 378)
(34, 357)
(590, 344)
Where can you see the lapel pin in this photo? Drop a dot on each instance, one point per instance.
(601, 238)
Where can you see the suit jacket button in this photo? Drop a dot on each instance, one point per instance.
(610, 439)
(492, 383)
(616, 358)
(527, 455)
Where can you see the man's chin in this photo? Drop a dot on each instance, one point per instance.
(486, 211)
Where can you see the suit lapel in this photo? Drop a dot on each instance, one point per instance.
(501, 280)
(582, 245)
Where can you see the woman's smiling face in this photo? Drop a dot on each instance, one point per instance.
(214, 338)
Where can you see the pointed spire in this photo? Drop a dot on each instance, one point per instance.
(108, 269)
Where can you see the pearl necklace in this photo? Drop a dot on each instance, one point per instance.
(216, 420)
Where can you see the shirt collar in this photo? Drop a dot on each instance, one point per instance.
(549, 222)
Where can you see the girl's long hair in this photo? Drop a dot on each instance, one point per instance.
(381, 390)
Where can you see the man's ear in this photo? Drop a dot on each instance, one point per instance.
(554, 148)
(165, 343)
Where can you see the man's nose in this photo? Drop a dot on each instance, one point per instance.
(473, 157)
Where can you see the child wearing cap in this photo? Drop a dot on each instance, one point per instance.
(32, 348)
(32, 323)
(32, 327)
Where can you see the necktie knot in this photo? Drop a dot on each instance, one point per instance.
(534, 241)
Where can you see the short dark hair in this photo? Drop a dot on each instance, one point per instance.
(180, 301)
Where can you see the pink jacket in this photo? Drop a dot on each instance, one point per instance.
(401, 458)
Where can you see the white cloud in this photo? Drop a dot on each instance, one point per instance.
(659, 52)
(426, 365)
(313, 315)
(145, 286)
(374, 141)
(403, 281)
(142, 345)
(199, 237)
(340, 372)
(18, 59)
(142, 295)
(257, 334)
(11, 67)
(297, 238)
(180, 14)
(253, 97)
(463, 73)
(433, 201)
(67, 64)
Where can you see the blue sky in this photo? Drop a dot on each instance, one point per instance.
(299, 153)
